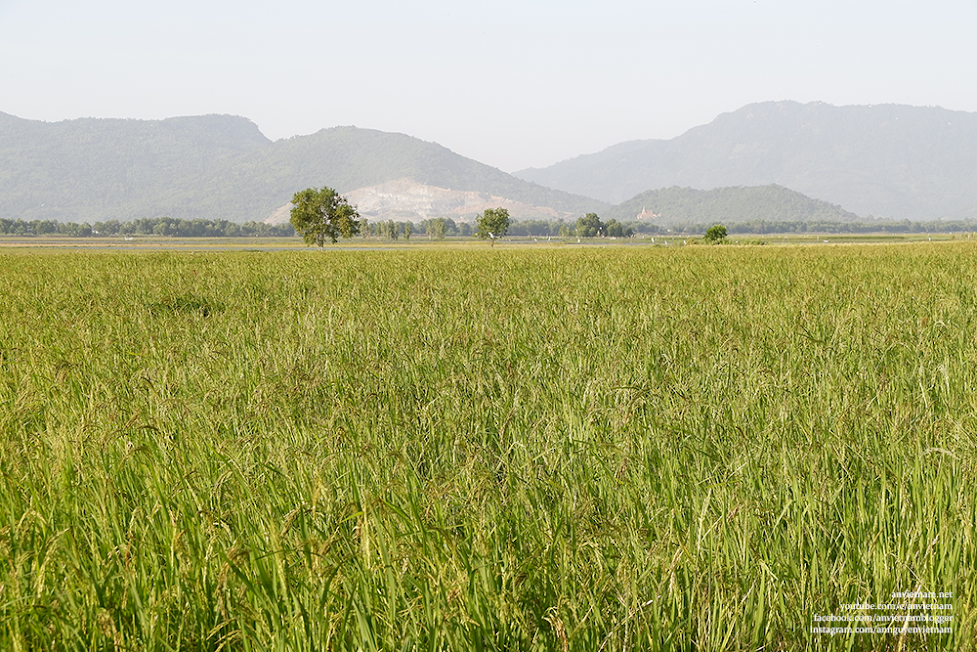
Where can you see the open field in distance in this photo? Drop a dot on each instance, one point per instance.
(532, 448)
(156, 243)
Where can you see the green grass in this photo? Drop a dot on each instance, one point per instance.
(486, 449)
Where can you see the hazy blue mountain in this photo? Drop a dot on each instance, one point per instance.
(884, 160)
(726, 205)
(220, 167)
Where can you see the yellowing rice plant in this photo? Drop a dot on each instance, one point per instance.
(547, 449)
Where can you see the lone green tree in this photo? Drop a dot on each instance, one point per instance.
(715, 234)
(590, 226)
(493, 223)
(322, 214)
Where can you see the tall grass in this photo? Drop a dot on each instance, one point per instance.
(612, 449)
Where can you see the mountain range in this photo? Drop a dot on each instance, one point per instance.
(886, 161)
(892, 161)
(222, 167)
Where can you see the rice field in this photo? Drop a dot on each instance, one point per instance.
(705, 448)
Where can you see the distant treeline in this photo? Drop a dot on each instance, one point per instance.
(817, 226)
(583, 228)
(563, 229)
(442, 227)
(165, 226)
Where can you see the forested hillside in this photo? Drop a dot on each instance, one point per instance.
(95, 169)
(738, 204)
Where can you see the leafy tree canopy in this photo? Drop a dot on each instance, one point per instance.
(493, 223)
(590, 226)
(715, 234)
(321, 214)
(615, 229)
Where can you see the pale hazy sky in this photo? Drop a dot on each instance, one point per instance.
(510, 83)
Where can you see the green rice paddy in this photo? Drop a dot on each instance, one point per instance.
(621, 448)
